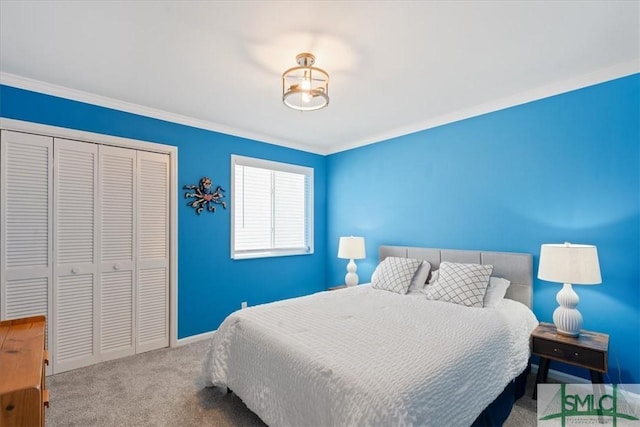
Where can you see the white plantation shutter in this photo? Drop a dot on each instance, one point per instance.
(117, 263)
(272, 206)
(75, 254)
(153, 251)
(25, 226)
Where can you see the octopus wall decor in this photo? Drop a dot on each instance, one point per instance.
(205, 197)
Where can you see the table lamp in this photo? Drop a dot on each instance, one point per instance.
(569, 264)
(351, 248)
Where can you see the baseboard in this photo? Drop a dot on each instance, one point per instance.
(562, 377)
(194, 338)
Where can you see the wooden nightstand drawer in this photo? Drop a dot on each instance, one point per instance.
(567, 353)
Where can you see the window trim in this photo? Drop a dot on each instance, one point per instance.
(280, 167)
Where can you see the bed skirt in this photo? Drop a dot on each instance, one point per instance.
(498, 411)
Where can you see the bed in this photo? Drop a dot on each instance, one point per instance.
(368, 356)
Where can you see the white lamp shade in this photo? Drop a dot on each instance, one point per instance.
(351, 248)
(568, 263)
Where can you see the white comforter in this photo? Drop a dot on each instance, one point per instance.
(362, 356)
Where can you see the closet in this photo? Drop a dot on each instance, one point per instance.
(85, 241)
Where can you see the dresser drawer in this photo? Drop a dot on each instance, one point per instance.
(588, 358)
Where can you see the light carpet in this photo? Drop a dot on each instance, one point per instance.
(164, 388)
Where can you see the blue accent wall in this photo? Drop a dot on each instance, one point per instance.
(564, 168)
(210, 284)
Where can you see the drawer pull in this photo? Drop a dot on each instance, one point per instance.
(46, 357)
(45, 398)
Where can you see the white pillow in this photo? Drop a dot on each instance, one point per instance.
(395, 274)
(463, 284)
(495, 291)
(420, 277)
(434, 277)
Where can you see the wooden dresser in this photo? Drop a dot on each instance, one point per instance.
(22, 378)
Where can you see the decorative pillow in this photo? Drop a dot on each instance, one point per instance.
(394, 274)
(495, 291)
(420, 278)
(463, 284)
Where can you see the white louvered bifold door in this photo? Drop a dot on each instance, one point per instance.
(84, 240)
(25, 226)
(75, 255)
(117, 254)
(152, 325)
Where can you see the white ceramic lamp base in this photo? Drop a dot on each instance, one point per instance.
(351, 279)
(566, 317)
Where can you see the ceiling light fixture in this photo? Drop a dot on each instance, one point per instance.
(305, 87)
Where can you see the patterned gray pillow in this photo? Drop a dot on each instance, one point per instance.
(394, 274)
(463, 284)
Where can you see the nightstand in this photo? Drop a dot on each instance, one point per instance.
(335, 288)
(588, 350)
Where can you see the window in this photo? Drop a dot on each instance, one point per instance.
(272, 208)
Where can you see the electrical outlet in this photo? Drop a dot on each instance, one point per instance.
(243, 304)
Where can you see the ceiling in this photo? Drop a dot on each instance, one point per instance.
(396, 67)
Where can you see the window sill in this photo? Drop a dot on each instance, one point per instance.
(254, 255)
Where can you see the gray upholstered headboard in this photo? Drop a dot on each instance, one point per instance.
(515, 267)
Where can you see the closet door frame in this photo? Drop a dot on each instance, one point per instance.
(64, 133)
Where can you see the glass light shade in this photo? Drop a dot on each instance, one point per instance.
(305, 88)
(351, 248)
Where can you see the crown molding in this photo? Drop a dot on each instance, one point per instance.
(599, 76)
(128, 107)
